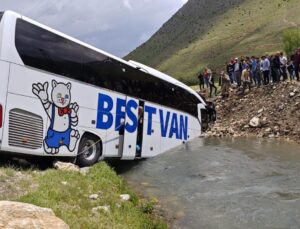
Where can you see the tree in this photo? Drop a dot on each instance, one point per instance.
(291, 40)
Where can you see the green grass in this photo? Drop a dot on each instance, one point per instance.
(67, 193)
(253, 27)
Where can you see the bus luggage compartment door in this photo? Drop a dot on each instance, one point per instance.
(130, 130)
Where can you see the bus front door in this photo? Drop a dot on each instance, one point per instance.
(130, 132)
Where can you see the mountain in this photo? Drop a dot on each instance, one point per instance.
(210, 32)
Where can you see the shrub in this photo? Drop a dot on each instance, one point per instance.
(291, 40)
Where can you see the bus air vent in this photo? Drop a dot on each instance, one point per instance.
(25, 129)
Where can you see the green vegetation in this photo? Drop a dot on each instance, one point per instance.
(291, 40)
(208, 33)
(67, 193)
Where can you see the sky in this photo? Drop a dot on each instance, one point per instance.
(115, 26)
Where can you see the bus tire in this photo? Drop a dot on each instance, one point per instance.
(89, 150)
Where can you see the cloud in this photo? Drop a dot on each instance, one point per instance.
(115, 26)
(127, 4)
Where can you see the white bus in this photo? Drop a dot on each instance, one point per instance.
(64, 98)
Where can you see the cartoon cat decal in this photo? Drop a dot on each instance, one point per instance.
(63, 116)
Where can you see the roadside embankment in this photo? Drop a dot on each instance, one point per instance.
(92, 198)
(271, 111)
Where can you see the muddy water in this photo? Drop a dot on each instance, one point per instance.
(213, 183)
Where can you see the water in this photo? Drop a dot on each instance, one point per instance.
(224, 183)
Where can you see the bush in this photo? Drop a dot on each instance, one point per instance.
(291, 40)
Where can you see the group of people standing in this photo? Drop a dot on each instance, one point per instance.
(246, 72)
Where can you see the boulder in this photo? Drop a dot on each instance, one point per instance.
(15, 215)
(94, 197)
(292, 94)
(125, 197)
(255, 122)
(64, 166)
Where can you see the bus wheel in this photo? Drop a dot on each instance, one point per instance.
(89, 151)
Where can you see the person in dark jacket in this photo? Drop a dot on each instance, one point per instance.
(238, 71)
(276, 68)
(201, 81)
(297, 63)
(230, 70)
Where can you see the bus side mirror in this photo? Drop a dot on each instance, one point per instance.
(201, 106)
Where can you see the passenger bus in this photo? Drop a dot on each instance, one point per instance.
(60, 97)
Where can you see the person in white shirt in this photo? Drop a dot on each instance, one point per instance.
(283, 66)
(266, 69)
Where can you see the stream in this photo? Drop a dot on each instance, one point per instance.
(223, 183)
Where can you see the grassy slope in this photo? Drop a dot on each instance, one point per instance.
(252, 28)
(192, 21)
(67, 194)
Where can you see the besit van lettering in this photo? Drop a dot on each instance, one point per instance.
(172, 125)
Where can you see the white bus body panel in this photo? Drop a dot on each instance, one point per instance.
(156, 143)
(130, 139)
(4, 72)
(151, 143)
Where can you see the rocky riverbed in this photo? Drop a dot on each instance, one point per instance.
(271, 111)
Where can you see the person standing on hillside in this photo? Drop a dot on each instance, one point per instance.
(201, 80)
(259, 71)
(276, 67)
(283, 66)
(237, 71)
(225, 85)
(253, 69)
(206, 77)
(290, 68)
(297, 63)
(246, 79)
(266, 69)
(211, 82)
(230, 70)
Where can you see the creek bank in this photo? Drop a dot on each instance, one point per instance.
(271, 111)
(94, 198)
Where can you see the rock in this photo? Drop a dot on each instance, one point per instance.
(263, 121)
(64, 166)
(292, 94)
(271, 136)
(105, 208)
(94, 197)
(260, 111)
(255, 122)
(268, 130)
(281, 107)
(64, 183)
(125, 197)
(15, 215)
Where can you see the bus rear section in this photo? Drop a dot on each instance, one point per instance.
(4, 72)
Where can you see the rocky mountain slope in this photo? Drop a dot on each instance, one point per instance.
(272, 112)
(205, 33)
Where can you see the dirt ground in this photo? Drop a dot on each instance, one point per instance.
(271, 111)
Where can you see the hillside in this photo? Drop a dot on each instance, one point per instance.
(207, 33)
